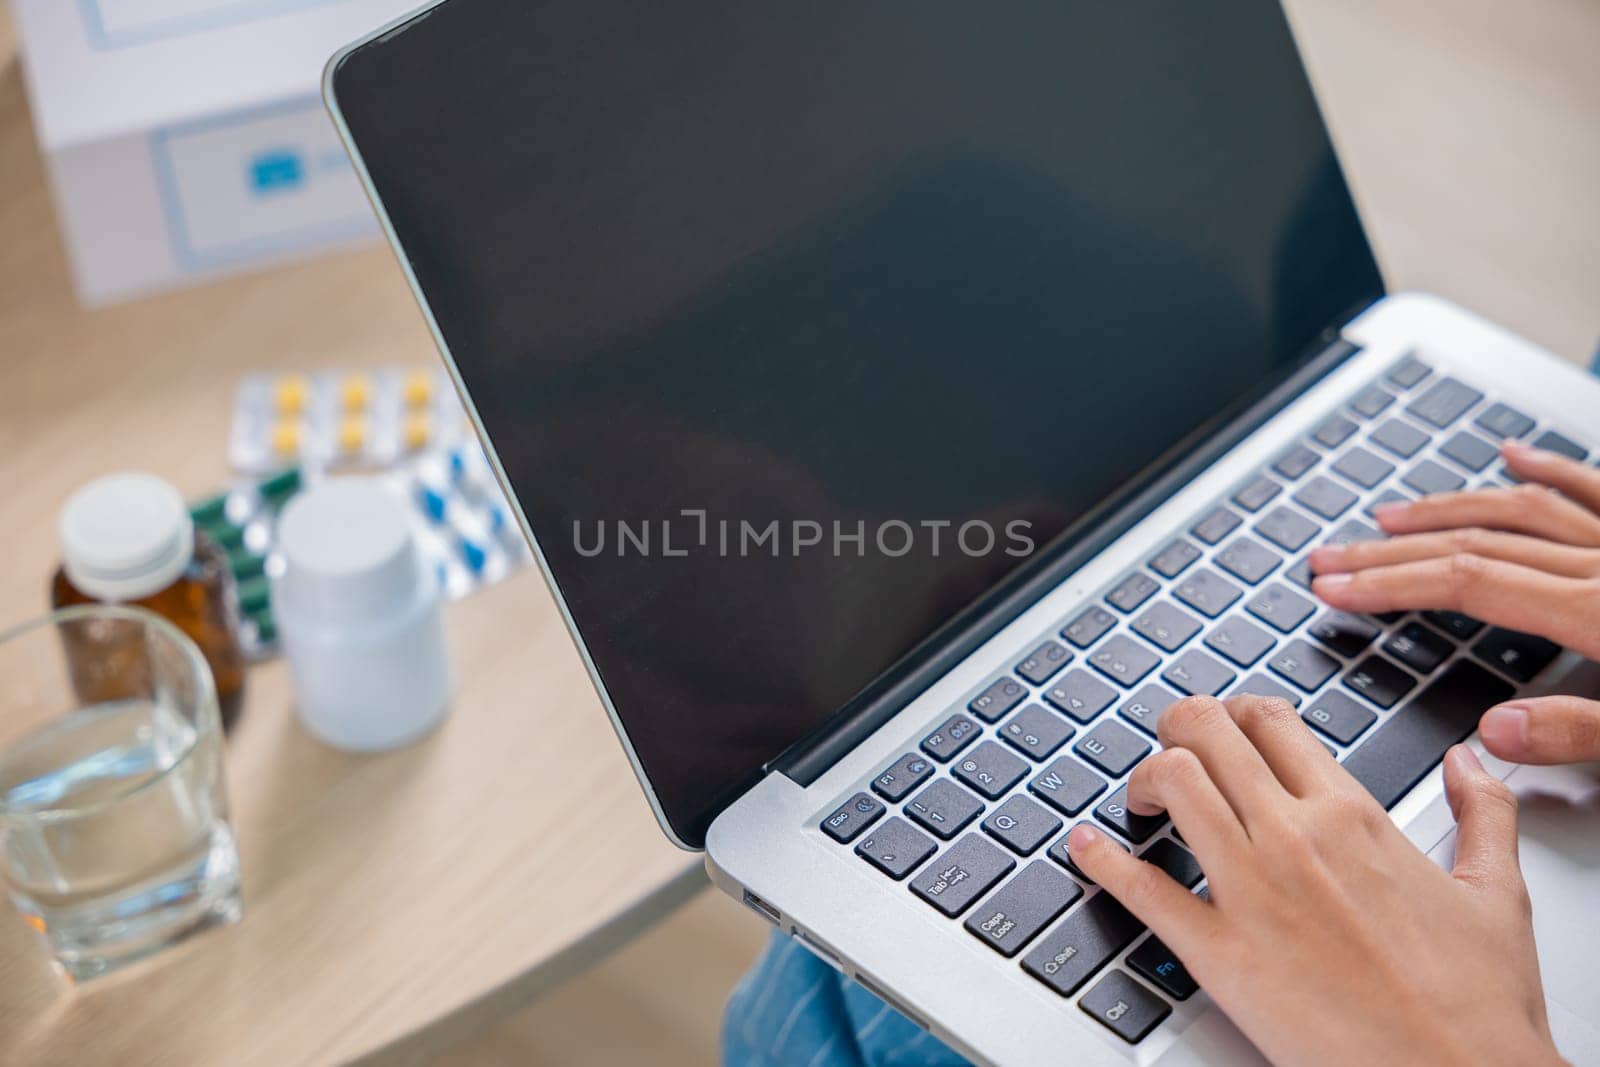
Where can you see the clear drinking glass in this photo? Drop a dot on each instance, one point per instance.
(114, 841)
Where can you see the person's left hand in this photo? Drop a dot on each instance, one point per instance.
(1329, 938)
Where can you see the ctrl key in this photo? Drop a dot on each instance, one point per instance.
(852, 817)
(895, 848)
(1125, 1007)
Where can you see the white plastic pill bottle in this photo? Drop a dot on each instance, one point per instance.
(359, 617)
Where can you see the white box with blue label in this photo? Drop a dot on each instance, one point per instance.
(187, 138)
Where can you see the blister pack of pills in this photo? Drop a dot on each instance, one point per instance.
(342, 420)
(405, 426)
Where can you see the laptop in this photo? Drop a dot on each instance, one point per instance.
(905, 404)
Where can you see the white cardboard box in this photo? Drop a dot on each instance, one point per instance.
(187, 138)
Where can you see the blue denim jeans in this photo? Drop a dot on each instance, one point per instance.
(793, 1010)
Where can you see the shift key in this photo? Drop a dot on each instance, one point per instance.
(1088, 940)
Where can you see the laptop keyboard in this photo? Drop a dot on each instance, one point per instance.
(975, 820)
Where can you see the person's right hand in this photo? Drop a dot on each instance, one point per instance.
(1525, 558)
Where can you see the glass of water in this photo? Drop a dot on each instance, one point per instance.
(114, 841)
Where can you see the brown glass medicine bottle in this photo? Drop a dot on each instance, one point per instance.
(128, 539)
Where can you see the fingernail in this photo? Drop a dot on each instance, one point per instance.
(1464, 755)
(1504, 729)
(1326, 558)
(1082, 836)
(1521, 448)
(1393, 507)
(1331, 583)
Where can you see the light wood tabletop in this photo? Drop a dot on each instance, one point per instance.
(395, 903)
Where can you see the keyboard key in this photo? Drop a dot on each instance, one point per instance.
(1414, 739)
(1280, 607)
(1502, 420)
(999, 698)
(1207, 592)
(902, 777)
(1144, 708)
(1287, 529)
(1445, 401)
(1334, 431)
(990, 770)
(1089, 627)
(1324, 497)
(1217, 524)
(1469, 450)
(1304, 665)
(943, 808)
(1518, 654)
(1240, 640)
(956, 734)
(1254, 496)
(1352, 530)
(1388, 496)
(1043, 662)
(1122, 660)
(1429, 477)
(1343, 633)
(1295, 462)
(1035, 732)
(1067, 785)
(1112, 747)
(1363, 468)
(1022, 907)
(1371, 401)
(1338, 716)
(852, 817)
(1380, 681)
(1197, 674)
(1299, 573)
(967, 870)
(1457, 625)
(1419, 648)
(1113, 811)
(1174, 559)
(1176, 861)
(1132, 591)
(1551, 441)
(1262, 686)
(1155, 962)
(1084, 942)
(1248, 560)
(1166, 626)
(1408, 372)
(895, 848)
(1080, 695)
(1063, 856)
(1399, 438)
(1021, 825)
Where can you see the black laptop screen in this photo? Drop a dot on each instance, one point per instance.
(799, 326)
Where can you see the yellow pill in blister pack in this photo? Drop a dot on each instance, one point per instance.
(286, 439)
(418, 431)
(418, 389)
(356, 392)
(352, 435)
(291, 394)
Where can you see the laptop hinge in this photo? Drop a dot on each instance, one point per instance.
(810, 757)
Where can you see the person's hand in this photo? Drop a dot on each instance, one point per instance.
(1526, 558)
(1329, 938)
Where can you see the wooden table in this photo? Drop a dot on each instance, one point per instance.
(394, 903)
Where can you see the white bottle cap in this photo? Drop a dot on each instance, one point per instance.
(348, 553)
(125, 537)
